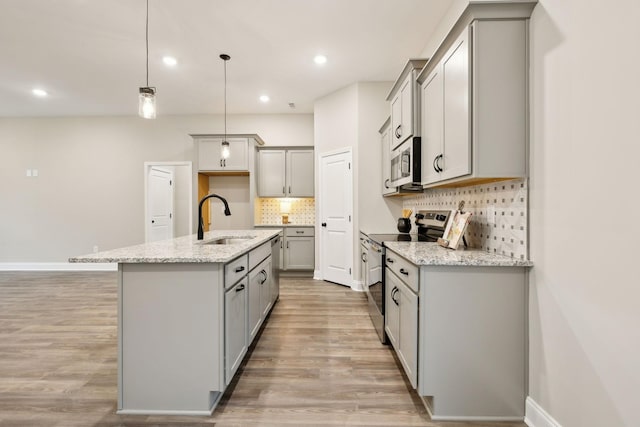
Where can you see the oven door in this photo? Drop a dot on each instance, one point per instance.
(374, 287)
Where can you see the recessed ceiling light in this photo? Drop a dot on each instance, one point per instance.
(320, 59)
(264, 98)
(39, 93)
(169, 61)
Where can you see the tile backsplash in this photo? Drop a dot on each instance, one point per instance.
(302, 211)
(506, 200)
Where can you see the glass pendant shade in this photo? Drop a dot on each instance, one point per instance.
(225, 150)
(147, 103)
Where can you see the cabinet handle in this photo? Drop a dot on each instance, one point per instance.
(289, 189)
(240, 288)
(398, 131)
(281, 243)
(386, 183)
(393, 295)
(284, 190)
(299, 232)
(403, 271)
(287, 245)
(438, 163)
(239, 269)
(364, 257)
(324, 224)
(220, 162)
(435, 159)
(390, 260)
(264, 274)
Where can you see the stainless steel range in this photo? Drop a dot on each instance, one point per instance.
(431, 225)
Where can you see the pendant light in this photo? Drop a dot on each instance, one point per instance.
(225, 144)
(147, 96)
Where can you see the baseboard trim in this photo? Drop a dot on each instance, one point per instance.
(57, 266)
(357, 285)
(536, 416)
(317, 275)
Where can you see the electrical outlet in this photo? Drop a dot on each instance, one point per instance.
(34, 172)
(28, 172)
(491, 215)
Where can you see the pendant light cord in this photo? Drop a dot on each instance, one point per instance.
(147, 41)
(225, 99)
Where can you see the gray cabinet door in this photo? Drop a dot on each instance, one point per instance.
(271, 173)
(392, 307)
(432, 122)
(300, 176)
(235, 330)
(408, 331)
(299, 253)
(456, 71)
(210, 155)
(255, 309)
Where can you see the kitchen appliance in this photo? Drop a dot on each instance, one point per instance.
(405, 164)
(431, 225)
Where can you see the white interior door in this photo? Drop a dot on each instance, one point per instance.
(336, 205)
(160, 204)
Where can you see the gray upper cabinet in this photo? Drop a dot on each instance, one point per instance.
(285, 173)
(474, 104)
(405, 107)
(210, 155)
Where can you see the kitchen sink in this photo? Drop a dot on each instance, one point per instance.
(228, 240)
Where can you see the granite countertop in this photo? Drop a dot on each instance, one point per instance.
(184, 249)
(426, 253)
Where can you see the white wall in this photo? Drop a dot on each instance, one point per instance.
(585, 293)
(351, 117)
(374, 212)
(90, 189)
(584, 320)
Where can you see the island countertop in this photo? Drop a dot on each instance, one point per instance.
(185, 249)
(426, 253)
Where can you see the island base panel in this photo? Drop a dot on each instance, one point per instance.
(170, 338)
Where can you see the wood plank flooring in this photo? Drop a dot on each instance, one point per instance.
(318, 360)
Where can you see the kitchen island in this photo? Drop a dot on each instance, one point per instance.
(458, 320)
(187, 312)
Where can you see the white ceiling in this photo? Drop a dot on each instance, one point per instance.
(90, 54)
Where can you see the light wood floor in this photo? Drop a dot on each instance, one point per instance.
(318, 361)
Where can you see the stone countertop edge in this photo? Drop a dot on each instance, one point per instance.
(186, 249)
(283, 225)
(424, 253)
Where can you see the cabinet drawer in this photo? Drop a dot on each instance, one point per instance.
(299, 231)
(258, 254)
(235, 270)
(405, 270)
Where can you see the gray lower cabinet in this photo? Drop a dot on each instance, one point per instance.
(401, 323)
(460, 335)
(235, 327)
(251, 291)
(259, 296)
(299, 248)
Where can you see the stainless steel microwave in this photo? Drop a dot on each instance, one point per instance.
(405, 164)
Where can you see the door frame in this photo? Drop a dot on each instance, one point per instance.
(189, 186)
(319, 273)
